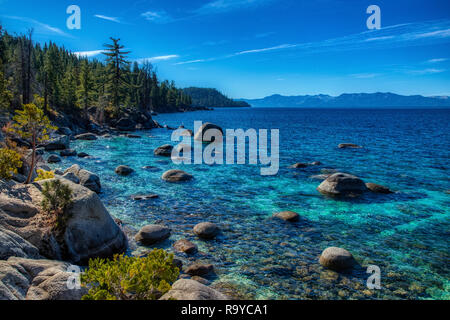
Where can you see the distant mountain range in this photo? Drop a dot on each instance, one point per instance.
(350, 100)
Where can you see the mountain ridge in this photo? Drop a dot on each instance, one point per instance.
(350, 100)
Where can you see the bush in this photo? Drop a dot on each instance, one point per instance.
(57, 199)
(44, 175)
(130, 278)
(9, 163)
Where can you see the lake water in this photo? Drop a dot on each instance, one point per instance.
(406, 234)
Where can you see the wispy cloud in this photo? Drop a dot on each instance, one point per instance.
(364, 75)
(158, 58)
(217, 6)
(40, 27)
(157, 16)
(425, 71)
(190, 61)
(113, 19)
(88, 54)
(402, 35)
(436, 60)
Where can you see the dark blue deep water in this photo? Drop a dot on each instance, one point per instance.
(406, 234)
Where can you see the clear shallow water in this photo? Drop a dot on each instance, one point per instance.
(406, 234)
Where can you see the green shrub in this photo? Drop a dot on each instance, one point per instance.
(9, 163)
(44, 175)
(56, 201)
(130, 278)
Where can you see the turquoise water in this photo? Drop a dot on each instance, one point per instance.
(406, 234)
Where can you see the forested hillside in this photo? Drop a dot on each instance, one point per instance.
(211, 98)
(66, 83)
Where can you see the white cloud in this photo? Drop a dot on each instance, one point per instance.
(426, 71)
(217, 6)
(157, 16)
(158, 58)
(364, 75)
(42, 28)
(88, 54)
(436, 60)
(190, 61)
(113, 19)
(283, 46)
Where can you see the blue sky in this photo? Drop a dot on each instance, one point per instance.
(255, 48)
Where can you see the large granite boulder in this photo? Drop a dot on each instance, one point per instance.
(342, 184)
(336, 259)
(198, 269)
(376, 188)
(89, 231)
(206, 230)
(86, 178)
(13, 245)
(200, 134)
(86, 136)
(176, 176)
(27, 279)
(58, 143)
(185, 246)
(290, 216)
(53, 158)
(186, 289)
(124, 170)
(125, 124)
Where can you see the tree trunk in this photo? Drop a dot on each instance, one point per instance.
(33, 159)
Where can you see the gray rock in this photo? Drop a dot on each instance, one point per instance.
(89, 180)
(342, 184)
(163, 151)
(349, 145)
(82, 155)
(206, 230)
(176, 176)
(13, 245)
(290, 216)
(124, 170)
(185, 246)
(201, 135)
(86, 136)
(199, 269)
(71, 177)
(64, 131)
(152, 234)
(336, 259)
(378, 188)
(58, 143)
(53, 159)
(144, 197)
(299, 165)
(68, 153)
(186, 289)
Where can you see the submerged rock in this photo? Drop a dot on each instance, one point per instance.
(145, 197)
(152, 233)
(176, 176)
(199, 269)
(124, 170)
(68, 153)
(86, 136)
(133, 136)
(349, 145)
(83, 155)
(186, 289)
(342, 184)
(290, 216)
(53, 159)
(336, 259)
(299, 165)
(206, 230)
(185, 246)
(163, 151)
(201, 134)
(378, 188)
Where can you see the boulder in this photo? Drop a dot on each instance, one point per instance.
(144, 197)
(87, 178)
(378, 188)
(290, 216)
(124, 170)
(299, 165)
(133, 136)
(349, 145)
(185, 246)
(199, 269)
(86, 136)
(163, 151)
(71, 177)
(206, 230)
(58, 143)
(342, 184)
(83, 155)
(13, 245)
(26, 279)
(125, 124)
(53, 159)
(64, 131)
(200, 134)
(68, 153)
(88, 232)
(336, 259)
(186, 289)
(176, 176)
(152, 233)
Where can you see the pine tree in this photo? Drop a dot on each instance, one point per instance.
(86, 87)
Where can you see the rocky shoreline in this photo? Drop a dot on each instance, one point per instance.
(34, 262)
